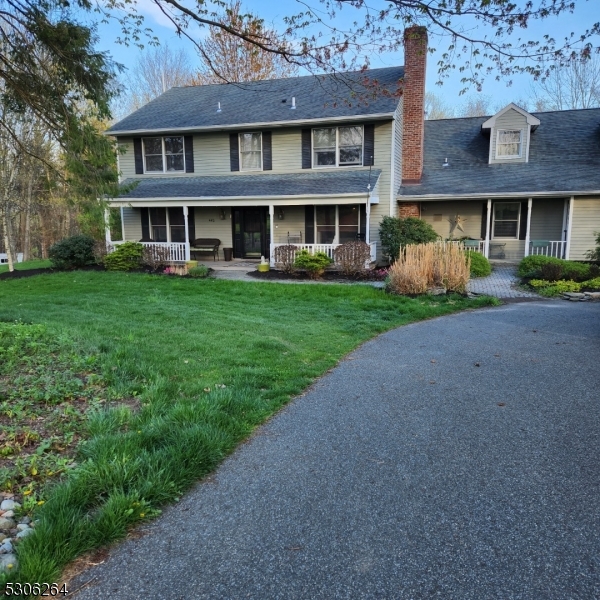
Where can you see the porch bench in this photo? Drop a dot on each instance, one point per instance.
(210, 245)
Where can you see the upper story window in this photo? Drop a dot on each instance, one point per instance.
(164, 154)
(509, 143)
(251, 151)
(337, 146)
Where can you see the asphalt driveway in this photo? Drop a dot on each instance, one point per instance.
(457, 458)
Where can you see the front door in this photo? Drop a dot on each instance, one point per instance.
(250, 232)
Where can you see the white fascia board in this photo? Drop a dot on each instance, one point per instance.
(484, 196)
(266, 124)
(531, 120)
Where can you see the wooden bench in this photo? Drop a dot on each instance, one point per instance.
(210, 245)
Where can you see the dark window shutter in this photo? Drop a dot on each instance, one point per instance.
(483, 220)
(309, 223)
(145, 224)
(137, 154)
(267, 151)
(306, 150)
(369, 145)
(234, 151)
(523, 223)
(191, 224)
(188, 146)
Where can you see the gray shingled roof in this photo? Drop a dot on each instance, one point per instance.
(564, 156)
(317, 97)
(295, 184)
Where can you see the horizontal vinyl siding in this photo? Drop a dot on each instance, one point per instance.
(132, 224)
(127, 159)
(513, 249)
(470, 213)
(586, 222)
(210, 225)
(511, 120)
(547, 220)
(293, 223)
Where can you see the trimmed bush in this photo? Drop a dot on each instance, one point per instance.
(531, 266)
(199, 271)
(395, 232)
(480, 265)
(538, 267)
(73, 252)
(352, 257)
(284, 257)
(314, 264)
(574, 270)
(126, 257)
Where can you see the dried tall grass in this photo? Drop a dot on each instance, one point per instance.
(424, 266)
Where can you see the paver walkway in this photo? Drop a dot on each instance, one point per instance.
(456, 458)
(502, 283)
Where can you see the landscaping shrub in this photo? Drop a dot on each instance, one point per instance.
(353, 257)
(73, 252)
(126, 257)
(531, 266)
(314, 264)
(551, 271)
(424, 266)
(537, 266)
(285, 256)
(480, 265)
(574, 270)
(199, 271)
(395, 233)
(155, 258)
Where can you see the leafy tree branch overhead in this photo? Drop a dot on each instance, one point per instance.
(477, 38)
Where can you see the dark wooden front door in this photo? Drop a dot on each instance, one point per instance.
(250, 232)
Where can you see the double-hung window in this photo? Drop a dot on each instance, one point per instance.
(506, 219)
(167, 225)
(509, 143)
(251, 151)
(337, 146)
(164, 154)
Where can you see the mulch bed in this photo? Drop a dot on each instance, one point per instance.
(274, 275)
(45, 271)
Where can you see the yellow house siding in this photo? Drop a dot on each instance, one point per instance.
(132, 224)
(510, 120)
(209, 224)
(470, 213)
(293, 222)
(586, 222)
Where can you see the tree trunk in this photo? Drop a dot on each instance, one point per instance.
(7, 244)
(27, 236)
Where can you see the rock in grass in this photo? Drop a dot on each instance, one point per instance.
(25, 520)
(9, 514)
(6, 547)
(8, 563)
(9, 505)
(24, 533)
(6, 524)
(22, 526)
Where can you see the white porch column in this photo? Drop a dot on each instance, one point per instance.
(187, 232)
(487, 228)
(107, 229)
(122, 222)
(529, 205)
(271, 230)
(569, 227)
(563, 235)
(368, 220)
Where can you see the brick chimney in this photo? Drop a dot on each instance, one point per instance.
(413, 97)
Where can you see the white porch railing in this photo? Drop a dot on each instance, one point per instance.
(557, 249)
(328, 249)
(177, 250)
(472, 245)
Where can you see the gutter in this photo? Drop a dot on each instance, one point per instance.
(484, 195)
(265, 124)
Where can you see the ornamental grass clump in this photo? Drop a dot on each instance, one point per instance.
(426, 266)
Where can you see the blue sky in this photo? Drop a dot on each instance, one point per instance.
(586, 13)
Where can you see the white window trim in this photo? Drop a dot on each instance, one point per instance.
(168, 225)
(164, 155)
(337, 148)
(240, 151)
(512, 156)
(336, 237)
(494, 237)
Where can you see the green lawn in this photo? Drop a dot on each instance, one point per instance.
(28, 264)
(206, 361)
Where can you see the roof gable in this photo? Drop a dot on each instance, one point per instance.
(532, 120)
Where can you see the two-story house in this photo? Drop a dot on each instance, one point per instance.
(316, 160)
(515, 183)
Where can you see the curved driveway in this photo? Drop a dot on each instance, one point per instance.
(457, 458)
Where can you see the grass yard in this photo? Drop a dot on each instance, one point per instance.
(154, 381)
(28, 264)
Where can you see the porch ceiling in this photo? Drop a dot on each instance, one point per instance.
(268, 187)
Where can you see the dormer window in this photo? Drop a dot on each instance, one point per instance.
(509, 143)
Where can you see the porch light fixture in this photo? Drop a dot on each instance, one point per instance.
(222, 215)
(218, 107)
(446, 163)
(280, 214)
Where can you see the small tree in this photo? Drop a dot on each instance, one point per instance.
(396, 232)
(285, 256)
(353, 257)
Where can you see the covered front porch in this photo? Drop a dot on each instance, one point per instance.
(504, 228)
